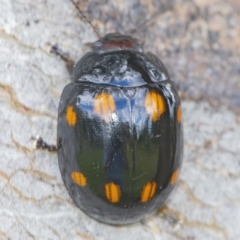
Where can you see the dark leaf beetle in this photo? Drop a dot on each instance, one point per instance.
(120, 136)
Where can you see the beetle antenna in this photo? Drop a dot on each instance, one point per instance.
(162, 10)
(84, 17)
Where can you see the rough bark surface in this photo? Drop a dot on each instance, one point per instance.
(199, 41)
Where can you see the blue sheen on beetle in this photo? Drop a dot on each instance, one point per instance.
(120, 132)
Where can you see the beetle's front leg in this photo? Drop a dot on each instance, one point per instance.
(69, 62)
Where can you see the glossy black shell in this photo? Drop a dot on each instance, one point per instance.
(119, 157)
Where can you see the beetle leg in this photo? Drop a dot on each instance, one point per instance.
(69, 62)
(39, 143)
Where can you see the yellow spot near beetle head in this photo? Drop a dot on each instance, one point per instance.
(112, 192)
(104, 106)
(71, 116)
(148, 191)
(79, 179)
(155, 105)
(179, 114)
(174, 177)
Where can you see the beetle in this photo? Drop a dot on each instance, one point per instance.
(119, 132)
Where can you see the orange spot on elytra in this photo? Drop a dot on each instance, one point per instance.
(104, 106)
(174, 177)
(112, 192)
(71, 116)
(179, 114)
(79, 178)
(148, 191)
(155, 105)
